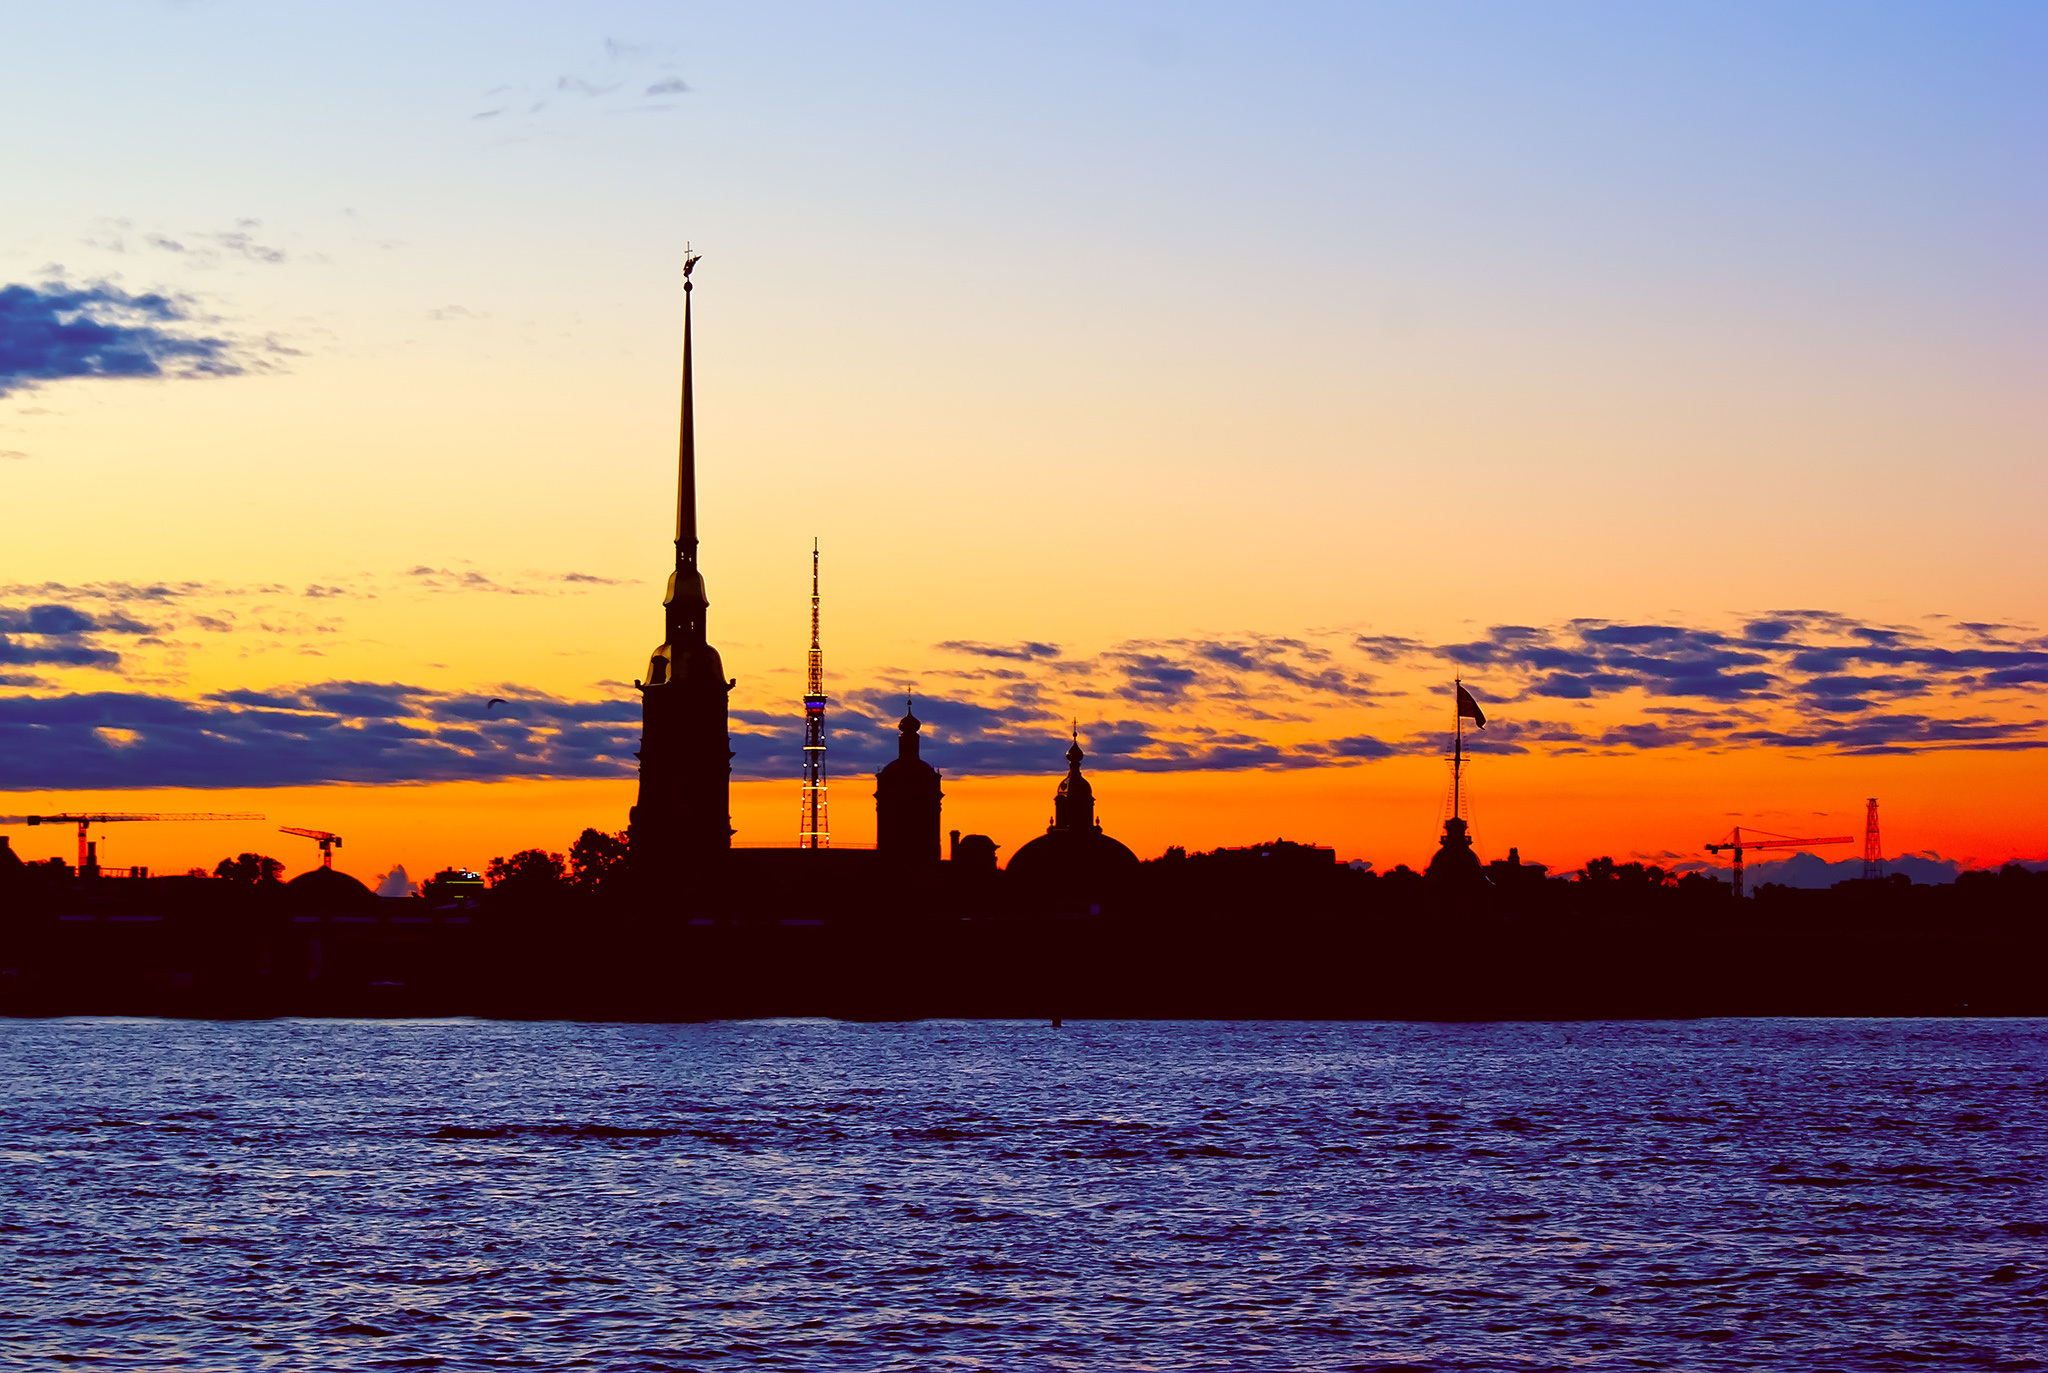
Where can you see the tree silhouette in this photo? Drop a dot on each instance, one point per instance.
(526, 870)
(596, 859)
(1626, 874)
(249, 869)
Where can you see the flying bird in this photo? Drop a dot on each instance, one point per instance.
(495, 701)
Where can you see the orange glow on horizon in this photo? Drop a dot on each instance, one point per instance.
(1661, 807)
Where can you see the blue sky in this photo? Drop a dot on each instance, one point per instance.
(1109, 326)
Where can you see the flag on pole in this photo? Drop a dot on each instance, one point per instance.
(1469, 708)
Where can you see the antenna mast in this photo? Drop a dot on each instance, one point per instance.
(812, 831)
(1873, 848)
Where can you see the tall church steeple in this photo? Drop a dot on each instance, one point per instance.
(686, 601)
(683, 819)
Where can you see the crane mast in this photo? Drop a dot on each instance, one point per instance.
(328, 842)
(1735, 844)
(88, 852)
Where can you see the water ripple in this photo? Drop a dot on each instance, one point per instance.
(816, 1195)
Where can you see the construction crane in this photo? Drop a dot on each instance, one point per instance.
(1873, 847)
(1765, 840)
(86, 855)
(328, 842)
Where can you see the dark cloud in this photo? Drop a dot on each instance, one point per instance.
(20, 652)
(1880, 734)
(1389, 648)
(1244, 673)
(64, 619)
(1285, 660)
(328, 732)
(1154, 677)
(1357, 746)
(1864, 686)
(1580, 686)
(1648, 734)
(2022, 662)
(1029, 651)
(210, 249)
(1829, 664)
(1009, 738)
(61, 635)
(57, 331)
(445, 579)
(1843, 677)
(1593, 657)
(1794, 680)
(107, 591)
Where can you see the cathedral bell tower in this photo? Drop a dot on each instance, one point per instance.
(907, 801)
(682, 827)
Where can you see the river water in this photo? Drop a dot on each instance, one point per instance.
(327, 1195)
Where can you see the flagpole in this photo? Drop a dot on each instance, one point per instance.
(1457, 746)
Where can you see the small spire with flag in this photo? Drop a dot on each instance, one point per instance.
(1468, 709)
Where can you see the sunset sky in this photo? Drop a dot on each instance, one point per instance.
(1224, 377)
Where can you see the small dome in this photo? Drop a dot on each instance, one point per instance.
(325, 886)
(976, 851)
(1454, 860)
(1072, 871)
(1077, 853)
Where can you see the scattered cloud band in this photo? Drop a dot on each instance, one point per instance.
(57, 332)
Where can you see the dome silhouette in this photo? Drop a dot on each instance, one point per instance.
(1454, 861)
(326, 887)
(1073, 867)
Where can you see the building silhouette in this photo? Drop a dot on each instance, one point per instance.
(908, 801)
(1073, 868)
(1454, 861)
(682, 825)
(976, 852)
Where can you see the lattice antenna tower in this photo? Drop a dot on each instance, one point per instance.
(814, 831)
(1873, 847)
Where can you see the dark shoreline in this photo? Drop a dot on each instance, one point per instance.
(1332, 944)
